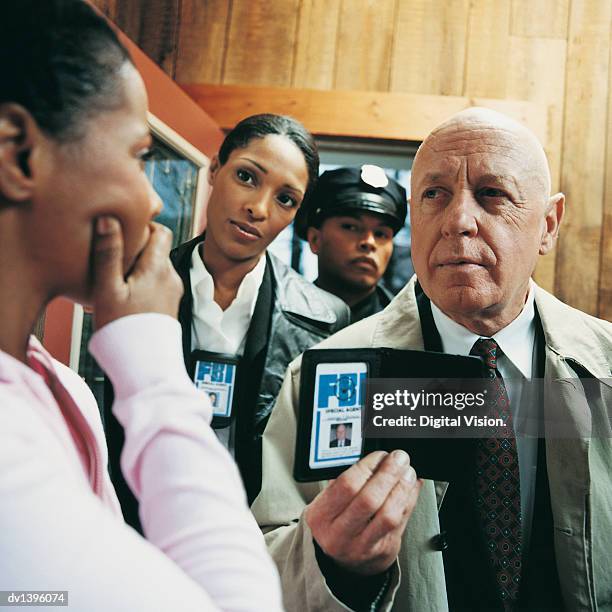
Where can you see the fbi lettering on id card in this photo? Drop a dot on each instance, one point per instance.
(339, 396)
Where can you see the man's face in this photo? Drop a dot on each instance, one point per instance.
(353, 249)
(478, 216)
(340, 432)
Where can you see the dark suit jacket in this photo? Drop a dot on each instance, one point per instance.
(334, 443)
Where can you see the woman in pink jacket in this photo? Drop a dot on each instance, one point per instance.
(76, 216)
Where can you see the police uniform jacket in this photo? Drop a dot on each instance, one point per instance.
(290, 316)
(375, 302)
(576, 474)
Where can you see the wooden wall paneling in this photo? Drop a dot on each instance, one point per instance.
(429, 49)
(537, 73)
(128, 18)
(605, 279)
(173, 106)
(365, 43)
(584, 146)
(108, 7)
(261, 42)
(540, 18)
(315, 53)
(201, 42)
(488, 48)
(367, 114)
(154, 27)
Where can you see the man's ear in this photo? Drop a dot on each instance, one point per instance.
(313, 236)
(552, 218)
(213, 169)
(18, 136)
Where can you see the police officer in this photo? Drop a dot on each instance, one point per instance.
(349, 223)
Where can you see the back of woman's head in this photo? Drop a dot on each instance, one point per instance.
(59, 61)
(260, 126)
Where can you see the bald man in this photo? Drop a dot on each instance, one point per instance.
(535, 535)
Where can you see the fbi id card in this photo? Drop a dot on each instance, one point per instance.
(335, 385)
(215, 374)
(332, 398)
(337, 404)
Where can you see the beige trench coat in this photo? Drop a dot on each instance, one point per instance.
(579, 471)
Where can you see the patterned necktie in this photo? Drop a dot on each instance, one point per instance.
(497, 484)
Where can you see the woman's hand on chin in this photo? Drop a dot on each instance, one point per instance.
(151, 285)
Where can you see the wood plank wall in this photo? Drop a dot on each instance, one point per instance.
(557, 53)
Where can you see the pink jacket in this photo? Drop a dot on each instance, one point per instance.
(60, 523)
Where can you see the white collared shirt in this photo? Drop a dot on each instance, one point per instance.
(516, 340)
(517, 363)
(222, 331)
(212, 328)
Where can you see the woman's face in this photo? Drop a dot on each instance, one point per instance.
(100, 174)
(256, 194)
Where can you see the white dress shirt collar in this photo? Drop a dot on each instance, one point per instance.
(516, 340)
(214, 329)
(203, 283)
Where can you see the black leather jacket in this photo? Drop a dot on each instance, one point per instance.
(296, 316)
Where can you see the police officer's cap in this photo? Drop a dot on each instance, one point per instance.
(365, 189)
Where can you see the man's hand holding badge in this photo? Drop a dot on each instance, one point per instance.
(359, 519)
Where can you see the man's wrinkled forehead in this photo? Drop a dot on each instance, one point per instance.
(480, 150)
(448, 146)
